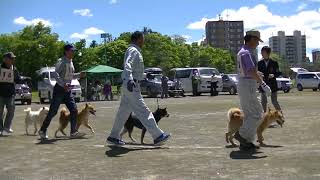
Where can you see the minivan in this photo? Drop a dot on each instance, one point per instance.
(185, 76)
(308, 80)
(47, 81)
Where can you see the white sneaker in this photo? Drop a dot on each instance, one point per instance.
(77, 135)
(1, 133)
(43, 135)
(8, 130)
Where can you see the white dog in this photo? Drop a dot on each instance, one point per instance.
(35, 117)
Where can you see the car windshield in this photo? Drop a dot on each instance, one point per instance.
(208, 72)
(52, 76)
(234, 77)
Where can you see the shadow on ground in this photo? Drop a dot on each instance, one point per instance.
(117, 151)
(246, 155)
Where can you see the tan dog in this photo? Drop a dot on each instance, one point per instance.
(235, 117)
(82, 118)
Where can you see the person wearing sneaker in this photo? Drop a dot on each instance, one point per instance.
(247, 88)
(62, 93)
(9, 75)
(131, 98)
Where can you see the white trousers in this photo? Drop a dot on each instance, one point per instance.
(133, 102)
(251, 107)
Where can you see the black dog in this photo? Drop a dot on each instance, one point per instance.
(133, 121)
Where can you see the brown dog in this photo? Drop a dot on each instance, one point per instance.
(236, 119)
(82, 118)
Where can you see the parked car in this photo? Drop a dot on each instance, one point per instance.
(23, 91)
(284, 84)
(230, 83)
(308, 80)
(151, 84)
(205, 73)
(47, 82)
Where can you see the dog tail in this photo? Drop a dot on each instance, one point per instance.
(63, 112)
(27, 110)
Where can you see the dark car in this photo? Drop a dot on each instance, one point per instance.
(151, 85)
(230, 83)
(23, 90)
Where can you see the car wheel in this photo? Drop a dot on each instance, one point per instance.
(29, 101)
(233, 90)
(286, 90)
(77, 99)
(299, 87)
(42, 100)
(315, 89)
(22, 102)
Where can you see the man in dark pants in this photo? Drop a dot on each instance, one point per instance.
(62, 93)
(165, 87)
(270, 71)
(8, 77)
(213, 86)
(195, 83)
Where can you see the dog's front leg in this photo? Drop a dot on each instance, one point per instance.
(27, 133)
(35, 128)
(144, 130)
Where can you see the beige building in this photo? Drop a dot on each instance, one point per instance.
(225, 35)
(291, 48)
(316, 56)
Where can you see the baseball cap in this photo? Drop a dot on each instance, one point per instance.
(9, 55)
(254, 33)
(68, 47)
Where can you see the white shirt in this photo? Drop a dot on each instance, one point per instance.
(133, 64)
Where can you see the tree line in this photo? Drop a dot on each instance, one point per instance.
(37, 46)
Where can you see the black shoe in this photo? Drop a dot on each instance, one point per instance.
(249, 147)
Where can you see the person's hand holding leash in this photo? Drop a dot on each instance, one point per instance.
(67, 87)
(271, 76)
(265, 88)
(130, 85)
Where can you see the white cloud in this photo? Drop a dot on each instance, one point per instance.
(281, 1)
(113, 1)
(86, 33)
(78, 36)
(93, 31)
(259, 17)
(23, 21)
(302, 6)
(187, 37)
(83, 12)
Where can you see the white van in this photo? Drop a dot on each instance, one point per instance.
(308, 80)
(47, 82)
(185, 76)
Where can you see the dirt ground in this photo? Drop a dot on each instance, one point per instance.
(197, 149)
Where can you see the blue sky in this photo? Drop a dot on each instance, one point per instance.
(73, 19)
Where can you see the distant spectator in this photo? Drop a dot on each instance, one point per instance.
(107, 91)
(165, 87)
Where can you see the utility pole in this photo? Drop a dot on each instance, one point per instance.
(104, 37)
